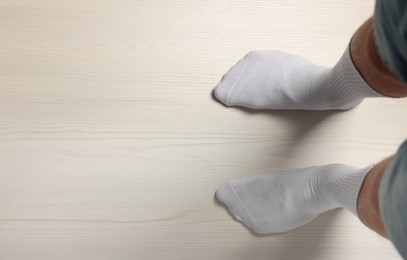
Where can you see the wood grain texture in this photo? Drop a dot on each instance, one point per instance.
(111, 146)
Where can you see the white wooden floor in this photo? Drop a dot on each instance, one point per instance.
(111, 146)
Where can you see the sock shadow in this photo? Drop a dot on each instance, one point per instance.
(300, 123)
(307, 242)
(300, 119)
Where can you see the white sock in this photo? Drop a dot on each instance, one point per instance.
(277, 80)
(282, 201)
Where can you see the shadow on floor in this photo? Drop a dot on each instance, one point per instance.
(299, 124)
(310, 242)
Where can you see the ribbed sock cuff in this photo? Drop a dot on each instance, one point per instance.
(347, 187)
(348, 79)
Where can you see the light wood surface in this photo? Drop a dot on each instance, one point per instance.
(111, 146)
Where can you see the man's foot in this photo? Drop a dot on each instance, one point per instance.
(277, 80)
(282, 201)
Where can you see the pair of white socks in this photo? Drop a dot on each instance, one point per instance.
(282, 201)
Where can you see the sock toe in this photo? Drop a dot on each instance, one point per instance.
(228, 197)
(221, 92)
(229, 80)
